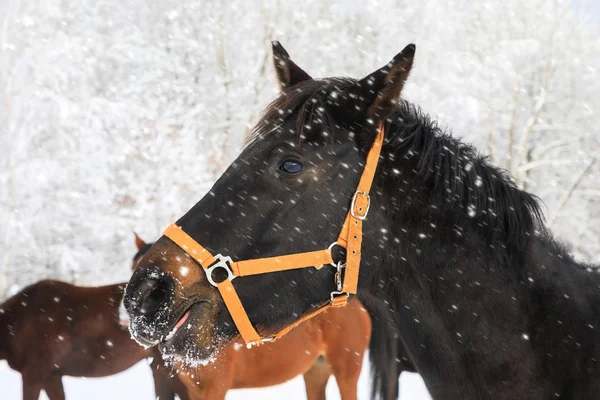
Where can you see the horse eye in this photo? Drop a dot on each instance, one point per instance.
(291, 167)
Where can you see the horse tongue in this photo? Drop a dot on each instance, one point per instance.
(182, 320)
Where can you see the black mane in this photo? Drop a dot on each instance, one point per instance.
(459, 179)
(452, 174)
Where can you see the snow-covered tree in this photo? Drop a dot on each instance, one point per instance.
(117, 116)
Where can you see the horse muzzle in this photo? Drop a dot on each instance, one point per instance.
(148, 299)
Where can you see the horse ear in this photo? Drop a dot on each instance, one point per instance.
(288, 73)
(139, 243)
(383, 86)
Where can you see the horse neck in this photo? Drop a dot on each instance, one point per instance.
(421, 325)
(575, 284)
(450, 291)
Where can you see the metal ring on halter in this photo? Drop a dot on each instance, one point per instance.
(222, 262)
(334, 264)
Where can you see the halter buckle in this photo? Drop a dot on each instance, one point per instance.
(222, 262)
(361, 214)
(335, 295)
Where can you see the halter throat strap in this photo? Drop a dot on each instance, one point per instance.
(350, 238)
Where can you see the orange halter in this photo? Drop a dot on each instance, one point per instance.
(350, 238)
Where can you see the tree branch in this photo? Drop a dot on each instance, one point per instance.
(571, 190)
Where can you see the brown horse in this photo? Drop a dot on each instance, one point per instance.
(332, 343)
(51, 329)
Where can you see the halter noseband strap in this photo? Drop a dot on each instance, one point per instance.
(350, 238)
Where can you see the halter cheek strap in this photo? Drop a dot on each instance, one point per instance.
(350, 238)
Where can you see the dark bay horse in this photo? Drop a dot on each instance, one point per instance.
(51, 329)
(487, 304)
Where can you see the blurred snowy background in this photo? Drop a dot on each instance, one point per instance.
(118, 115)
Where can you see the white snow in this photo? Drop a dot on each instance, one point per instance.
(136, 384)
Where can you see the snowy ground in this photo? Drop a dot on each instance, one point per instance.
(136, 384)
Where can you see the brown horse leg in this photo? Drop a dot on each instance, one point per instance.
(315, 379)
(347, 380)
(54, 388)
(163, 389)
(32, 386)
(346, 366)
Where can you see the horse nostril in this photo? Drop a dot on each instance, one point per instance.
(149, 295)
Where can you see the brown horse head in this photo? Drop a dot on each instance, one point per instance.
(139, 242)
(142, 247)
